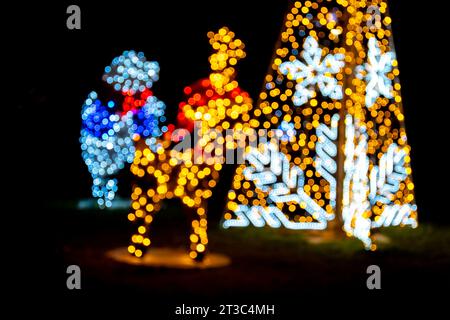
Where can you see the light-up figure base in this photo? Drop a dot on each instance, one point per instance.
(335, 234)
(381, 238)
(116, 204)
(331, 234)
(169, 258)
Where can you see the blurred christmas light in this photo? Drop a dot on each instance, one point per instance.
(131, 72)
(108, 132)
(333, 82)
(286, 131)
(214, 104)
(106, 147)
(375, 73)
(314, 71)
(375, 129)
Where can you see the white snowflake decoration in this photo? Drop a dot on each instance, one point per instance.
(314, 71)
(375, 71)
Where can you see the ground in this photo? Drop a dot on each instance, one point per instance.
(268, 265)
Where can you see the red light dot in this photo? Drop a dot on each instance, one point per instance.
(187, 90)
(197, 97)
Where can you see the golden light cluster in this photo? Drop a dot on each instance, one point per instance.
(215, 104)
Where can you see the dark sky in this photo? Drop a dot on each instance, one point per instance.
(66, 65)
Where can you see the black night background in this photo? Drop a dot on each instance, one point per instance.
(267, 268)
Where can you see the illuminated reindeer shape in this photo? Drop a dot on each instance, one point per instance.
(214, 104)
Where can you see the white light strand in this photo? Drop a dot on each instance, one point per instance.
(326, 151)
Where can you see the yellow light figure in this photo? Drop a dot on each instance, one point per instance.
(190, 169)
(332, 101)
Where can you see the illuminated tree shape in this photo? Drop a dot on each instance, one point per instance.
(189, 170)
(107, 131)
(334, 80)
